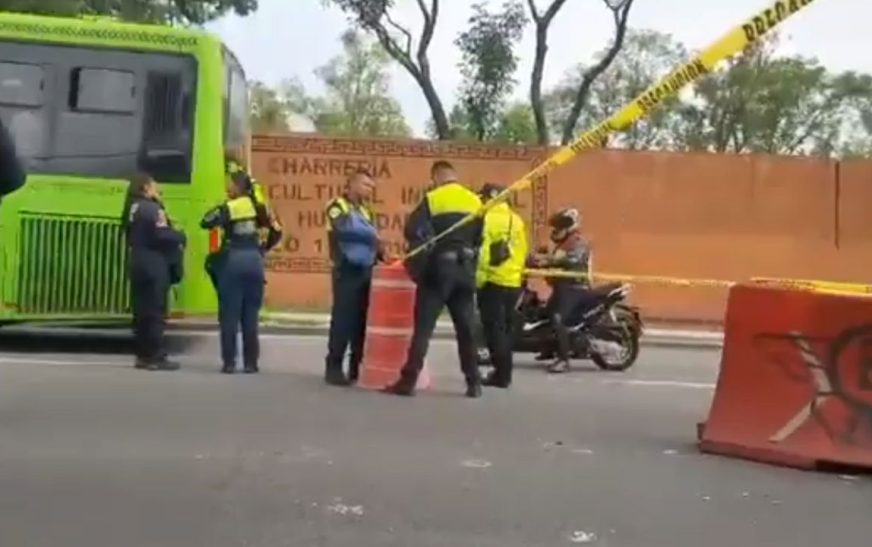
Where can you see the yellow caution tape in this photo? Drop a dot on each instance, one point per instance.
(624, 278)
(733, 42)
(660, 280)
(833, 287)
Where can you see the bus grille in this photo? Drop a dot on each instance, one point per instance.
(72, 266)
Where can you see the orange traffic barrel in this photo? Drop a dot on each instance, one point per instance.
(389, 328)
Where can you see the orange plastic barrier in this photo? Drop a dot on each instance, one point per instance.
(389, 328)
(795, 385)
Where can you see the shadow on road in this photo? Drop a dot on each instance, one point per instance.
(84, 340)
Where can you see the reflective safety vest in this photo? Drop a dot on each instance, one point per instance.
(352, 232)
(452, 198)
(242, 228)
(347, 207)
(502, 226)
(217, 235)
(448, 204)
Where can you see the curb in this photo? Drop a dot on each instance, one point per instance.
(444, 331)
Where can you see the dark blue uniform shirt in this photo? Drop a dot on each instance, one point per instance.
(149, 229)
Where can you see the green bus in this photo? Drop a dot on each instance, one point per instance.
(88, 102)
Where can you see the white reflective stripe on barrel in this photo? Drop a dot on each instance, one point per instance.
(393, 284)
(390, 331)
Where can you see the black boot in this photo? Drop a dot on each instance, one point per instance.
(251, 368)
(353, 372)
(493, 380)
(401, 387)
(335, 377)
(473, 390)
(228, 368)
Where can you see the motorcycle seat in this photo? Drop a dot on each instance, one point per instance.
(607, 289)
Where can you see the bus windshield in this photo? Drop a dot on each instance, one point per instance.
(92, 112)
(236, 106)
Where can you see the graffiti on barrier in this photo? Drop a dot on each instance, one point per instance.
(838, 373)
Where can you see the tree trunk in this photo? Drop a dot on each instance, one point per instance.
(536, 85)
(437, 111)
(586, 82)
(621, 16)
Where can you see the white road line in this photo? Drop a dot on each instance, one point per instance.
(662, 383)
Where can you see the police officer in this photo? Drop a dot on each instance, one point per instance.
(12, 174)
(155, 262)
(444, 274)
(241, 276)
(232, 166)
(354, 249)
(499, 277)
(571, 253)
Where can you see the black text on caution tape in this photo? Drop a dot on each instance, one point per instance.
(772, 17)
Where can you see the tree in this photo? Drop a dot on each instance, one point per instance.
(856, 138)
(514, 126)
(620, 10)
(620, 14)
(542, 22)
(517, 125)
(268, 112)
(489, 63)
(143, 11)
(356, 101)
(374, 16)
(646, 57)
(776, 105)
(273, 108)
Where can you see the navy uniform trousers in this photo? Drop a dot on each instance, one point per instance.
(351, 287)
(241, 281)
(149, 290)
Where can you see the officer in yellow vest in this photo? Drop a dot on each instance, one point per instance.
(241, 276)
(445, 275)
(354, 250)
(231, 168)
(499, 277)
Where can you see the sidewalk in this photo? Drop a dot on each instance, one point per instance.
(317, 324)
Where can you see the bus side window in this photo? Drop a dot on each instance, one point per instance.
(102, 91)
(22, 106)
(167, 128)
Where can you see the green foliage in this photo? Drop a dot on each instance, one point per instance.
(356, 102)
(488, 64)
(517, 125)
(646, 57)
(272, 108)
(757, 102)
(376, 18)
(143, 11)
(776, 105)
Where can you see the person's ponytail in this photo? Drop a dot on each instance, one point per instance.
(243, 181)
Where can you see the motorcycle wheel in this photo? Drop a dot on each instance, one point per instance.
(626, 317)
(626, 337)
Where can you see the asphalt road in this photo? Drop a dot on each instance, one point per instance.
(94, 453)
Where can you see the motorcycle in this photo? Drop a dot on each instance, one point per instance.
(606, 331)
